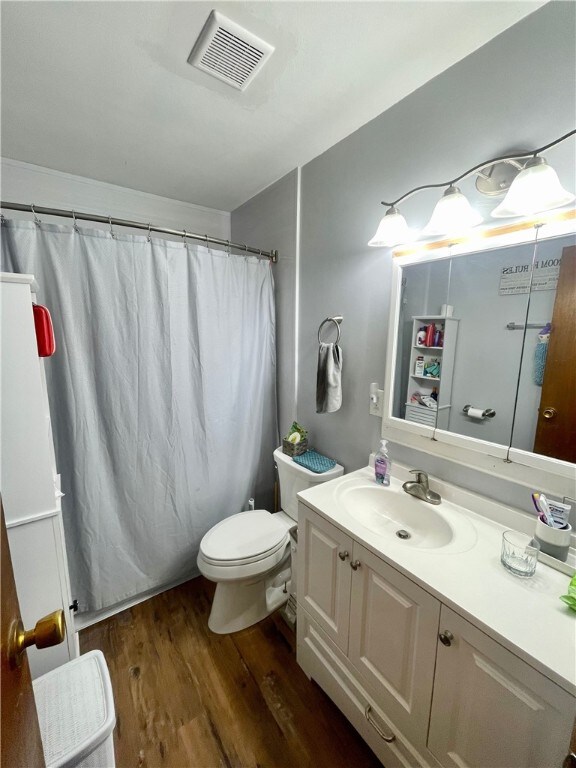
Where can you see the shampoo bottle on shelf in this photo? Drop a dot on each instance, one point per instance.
(382, 464)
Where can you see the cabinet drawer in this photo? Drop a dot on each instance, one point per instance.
(421, 415)
(322, 661)
(491, 709)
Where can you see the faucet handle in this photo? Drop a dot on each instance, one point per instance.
(421, 477)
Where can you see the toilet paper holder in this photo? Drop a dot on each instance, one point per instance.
(487, 413)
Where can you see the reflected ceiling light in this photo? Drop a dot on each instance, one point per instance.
(392, 230)
(453, 213)
(532, 187)
(536, 188)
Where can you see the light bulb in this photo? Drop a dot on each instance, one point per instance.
(392, 230)
(452, 214)
(536, 188)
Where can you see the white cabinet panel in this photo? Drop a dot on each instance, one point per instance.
(324, 574)
(27, 468)
(393, 629)
(38, 564)
(492, 710)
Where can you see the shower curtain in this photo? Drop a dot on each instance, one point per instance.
(162, 394)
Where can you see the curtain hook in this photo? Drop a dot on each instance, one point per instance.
(149, 238)
(111, 230)
(74, 225)
(207, 241)
(184, 235)
(36, 219)
(228, 249)
(2, 218)
(245, 251)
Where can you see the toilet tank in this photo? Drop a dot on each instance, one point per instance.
(294, 478)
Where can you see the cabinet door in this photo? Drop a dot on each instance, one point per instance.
(393, 631)
(324, 574)
(491, 709)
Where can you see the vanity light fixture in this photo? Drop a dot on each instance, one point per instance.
(532, 186)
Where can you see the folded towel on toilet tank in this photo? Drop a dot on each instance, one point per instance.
(314, 461)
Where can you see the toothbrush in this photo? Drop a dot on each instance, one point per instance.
(541, 504)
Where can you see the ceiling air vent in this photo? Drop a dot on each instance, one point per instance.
(229, 52)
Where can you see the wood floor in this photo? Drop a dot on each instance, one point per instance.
(187, 698)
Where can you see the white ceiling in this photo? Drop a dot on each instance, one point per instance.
(103, 89)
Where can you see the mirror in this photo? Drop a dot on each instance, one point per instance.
(471, 344)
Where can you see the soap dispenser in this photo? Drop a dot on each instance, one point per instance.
(382, 464)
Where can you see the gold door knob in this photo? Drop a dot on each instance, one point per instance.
(49, 631)
(549, 413)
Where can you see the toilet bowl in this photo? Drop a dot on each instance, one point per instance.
(248, 554)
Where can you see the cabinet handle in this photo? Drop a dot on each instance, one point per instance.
(355, 565)
(376, 727)
(446, 637)
(343, 555)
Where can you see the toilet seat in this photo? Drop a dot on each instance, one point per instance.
(243, 539)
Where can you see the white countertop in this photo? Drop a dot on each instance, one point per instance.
(525, 615)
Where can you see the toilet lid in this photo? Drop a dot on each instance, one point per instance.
(252, 535)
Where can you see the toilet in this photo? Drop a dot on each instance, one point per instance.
(248, 555)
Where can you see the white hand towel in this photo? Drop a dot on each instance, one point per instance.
(329, 378)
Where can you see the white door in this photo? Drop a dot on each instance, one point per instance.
(492, 710)
(393, 631)
(324, 573)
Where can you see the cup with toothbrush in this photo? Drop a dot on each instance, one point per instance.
(553, 531)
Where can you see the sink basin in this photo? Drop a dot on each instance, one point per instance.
(403, 519)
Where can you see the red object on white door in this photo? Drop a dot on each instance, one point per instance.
(44, 331)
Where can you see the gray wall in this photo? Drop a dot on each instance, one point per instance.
(515, 92)
(270, 219)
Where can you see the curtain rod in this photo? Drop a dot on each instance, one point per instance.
(36, 209)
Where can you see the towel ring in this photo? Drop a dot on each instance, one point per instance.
(336, 321)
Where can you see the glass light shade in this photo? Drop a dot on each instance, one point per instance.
(536, 188)
(453, 213)
(392, 230)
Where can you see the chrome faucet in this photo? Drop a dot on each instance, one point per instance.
(420, 489)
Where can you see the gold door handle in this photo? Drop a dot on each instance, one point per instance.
(49, 631)
(549, 413)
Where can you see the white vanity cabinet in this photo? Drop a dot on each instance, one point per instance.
(373, 639)
(384, 624)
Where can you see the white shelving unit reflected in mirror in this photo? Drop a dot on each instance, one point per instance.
(431, 370)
